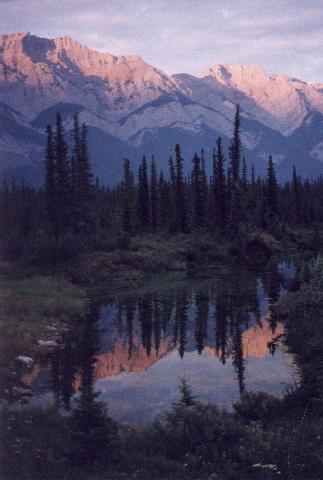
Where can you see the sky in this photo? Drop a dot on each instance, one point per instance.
(284, 36)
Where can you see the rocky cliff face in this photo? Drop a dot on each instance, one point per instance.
(132, 102)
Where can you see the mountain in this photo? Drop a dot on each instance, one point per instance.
(133, 108)
(115, 358)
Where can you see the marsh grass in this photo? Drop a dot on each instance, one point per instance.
(30, 306)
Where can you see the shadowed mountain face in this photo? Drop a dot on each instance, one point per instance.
(134, 108)
(217, 333)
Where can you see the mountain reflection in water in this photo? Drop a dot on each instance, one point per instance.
(219, 334)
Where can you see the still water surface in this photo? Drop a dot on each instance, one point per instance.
(217, 333)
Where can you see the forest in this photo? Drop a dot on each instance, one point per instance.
(66, 243)
(73, 213)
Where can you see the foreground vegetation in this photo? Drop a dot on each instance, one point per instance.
(263, 438)
(33, 311)
(73, 239)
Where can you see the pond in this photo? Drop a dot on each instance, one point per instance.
(217, 333)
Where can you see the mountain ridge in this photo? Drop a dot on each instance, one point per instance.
(132, 101)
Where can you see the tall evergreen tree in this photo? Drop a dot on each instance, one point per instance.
(173, 210)
(50, 180)
(199, 193)
(128, 199)
(180, 194)
(235, 148)
(63, 179)
(154, 203)
(234, 184)
(91, 427)
(271, 199)
(219, 188)
(202, 309)
(143, 206)
(84, 186)
(296, 196)
(238, 358)
(165, 202)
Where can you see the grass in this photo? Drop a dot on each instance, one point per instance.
(30, 306)
(147, 258)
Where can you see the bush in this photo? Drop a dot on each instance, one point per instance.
(45, 249)
(257, 406)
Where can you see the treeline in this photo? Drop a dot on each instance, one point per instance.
(72, 212)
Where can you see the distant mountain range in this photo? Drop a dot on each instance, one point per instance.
(133, 108)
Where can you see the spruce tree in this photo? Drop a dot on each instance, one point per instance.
(180, 324)
(91, 427)
(128, 199)
(219, 188)
(50, 180)
(63, 179)
(143, 206)
(187, 399)
(145, 308)
(154, 201)
(234, 184)
(238, 358)
(271, 199)
(84, 188)
(244, 178)
(198, 190)
(173, 211)
(165, 202)
(201, 318)
(180, 194)
(235, 148)
(296, 197)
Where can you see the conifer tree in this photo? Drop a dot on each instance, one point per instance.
(271, 199)
(202, 309)
(238, 358)
(244, 178)
(130, 309)
(199, 193)
(234, 184)
(128, 199)
(143, 207)
(145, 318)
(50, 180)
(84, 187)
(253, 202)
(84, 170)
(77, 152)
(180, 196)
(219, 188)
(235, 148)
(187, 398)
(253, 176)
(154, 203)
(236, 213)
(63, 179)
(173, 211)
(91, 427)
(180, 324)
(76, 162)
(296, 197)
(204, 182)
(165, 202)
